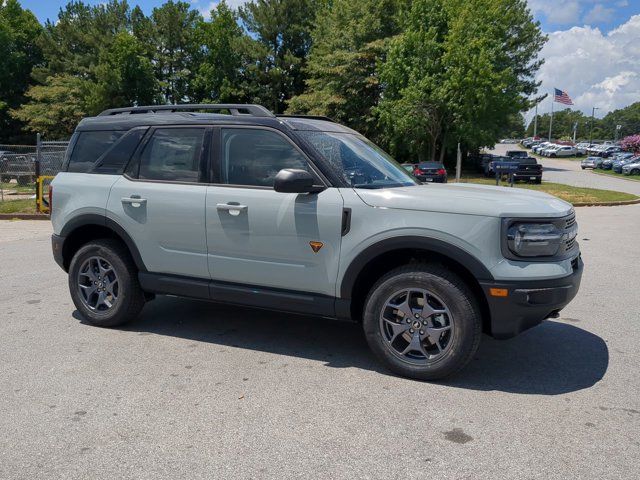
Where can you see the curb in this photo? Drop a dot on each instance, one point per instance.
(606, 204)
(23, 216)
(614, 176)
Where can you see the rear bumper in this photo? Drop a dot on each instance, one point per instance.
(57, 243)
(529, 302)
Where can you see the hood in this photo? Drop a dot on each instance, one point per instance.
(469, 199)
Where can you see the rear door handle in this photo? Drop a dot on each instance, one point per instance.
(233, 209)
(133, 201)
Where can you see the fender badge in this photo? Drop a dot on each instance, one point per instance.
(316, 246)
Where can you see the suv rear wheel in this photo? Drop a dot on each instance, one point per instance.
(422, 321)
(104, 285)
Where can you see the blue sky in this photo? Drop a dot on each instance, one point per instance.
(593, 52)
(552, 14)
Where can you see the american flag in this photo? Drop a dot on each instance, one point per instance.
(562, 97)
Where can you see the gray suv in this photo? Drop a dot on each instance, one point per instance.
(233, 204)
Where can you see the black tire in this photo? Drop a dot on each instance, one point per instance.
(5, 179)
(24, 181)
(463, 339)
(130, 297)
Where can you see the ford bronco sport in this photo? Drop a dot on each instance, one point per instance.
(232, 204)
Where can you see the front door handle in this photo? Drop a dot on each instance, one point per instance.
(233, 209)
(134, 201)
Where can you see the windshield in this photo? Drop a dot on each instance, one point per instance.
(360, 162)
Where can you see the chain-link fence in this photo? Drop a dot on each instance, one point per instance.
(25, 172)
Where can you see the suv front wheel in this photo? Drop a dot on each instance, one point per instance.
(104, 285)
(422, 321)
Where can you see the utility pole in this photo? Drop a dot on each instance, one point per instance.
(535, 123)
(575, 129)
(593, 112)
(618, 128)
(458, 164)
(551, 120)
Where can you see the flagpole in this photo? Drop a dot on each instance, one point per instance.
(551, 120)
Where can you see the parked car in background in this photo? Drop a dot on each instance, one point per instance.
(550, 150)
(589, 162)
(617, 165)
(581, 148)
(607, 164)
(564, 151)
(430, 172)
(529, 170)
(18, 166)
(541, 146)
(489, 170)
(408, 167)
(631, 168)
(610, 150)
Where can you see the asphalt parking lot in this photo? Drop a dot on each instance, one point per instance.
(569, 172)
(194, 390)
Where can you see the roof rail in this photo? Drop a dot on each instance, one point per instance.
(233, 108)
(311, 117)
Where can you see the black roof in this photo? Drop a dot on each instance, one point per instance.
(128, 118)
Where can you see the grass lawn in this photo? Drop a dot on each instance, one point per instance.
(611, 173)
(573, 195)
(27, 205)
(13, 187)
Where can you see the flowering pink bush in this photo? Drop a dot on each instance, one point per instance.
(631, 143)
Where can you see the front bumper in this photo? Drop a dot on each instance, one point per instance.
(529, 302)
(57, 243)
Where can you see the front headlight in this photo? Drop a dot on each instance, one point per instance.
(534, 239)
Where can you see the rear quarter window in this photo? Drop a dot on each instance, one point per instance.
(89, 146)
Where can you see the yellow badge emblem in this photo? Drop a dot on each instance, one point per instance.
(316, 246)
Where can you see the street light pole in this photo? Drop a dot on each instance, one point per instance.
(593, 112)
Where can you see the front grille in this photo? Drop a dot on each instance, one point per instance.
(571, 232)
(570, 220)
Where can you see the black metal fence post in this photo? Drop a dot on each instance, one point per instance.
(37, 169)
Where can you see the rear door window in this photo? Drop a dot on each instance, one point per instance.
(89, 146)
(174, 155)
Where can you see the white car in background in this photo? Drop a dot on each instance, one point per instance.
(550, 150)
(541, 146)
(582, 147)
(564, 151)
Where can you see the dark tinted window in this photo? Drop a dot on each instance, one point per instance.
(173, 154)
(117, 157)
(89, 147)
(255, 156)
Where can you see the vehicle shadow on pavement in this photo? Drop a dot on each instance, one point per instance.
(551, 359)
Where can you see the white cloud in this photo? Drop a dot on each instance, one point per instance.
(599, 13)
(595, 69)
(205, 9)
(565, 14)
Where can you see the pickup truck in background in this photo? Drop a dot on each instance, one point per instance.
(529, 170)
(18, 166)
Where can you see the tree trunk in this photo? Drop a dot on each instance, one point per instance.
(443, 147)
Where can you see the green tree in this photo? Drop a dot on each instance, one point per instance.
(19, 53)
(456, 74)
(124, 76)
(283, 30)
(56, 107)
(219, 75)
(349, 42)
(176, 50)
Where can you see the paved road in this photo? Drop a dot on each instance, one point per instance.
(570, 173)
(198, 391)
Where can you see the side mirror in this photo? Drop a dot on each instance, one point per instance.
(292, 180)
